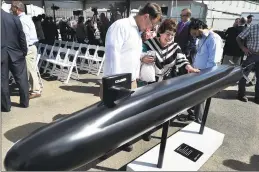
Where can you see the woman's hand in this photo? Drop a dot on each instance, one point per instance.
(147, 59)
(190, 69)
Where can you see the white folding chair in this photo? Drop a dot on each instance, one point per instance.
(61, 55)
(96, 64)
(82, 50)
(46, 55)
(76, 46)
(65, 62)
(41, 48)
(37, 69)
(63, 44)
(53, 54)
(70, 45)
(57, 43)
(71, 64)
(90, 54)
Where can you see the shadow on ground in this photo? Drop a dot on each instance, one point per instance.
(104, 168)
(82, 89)
(241, 166)
(87, 81)
(20, 132)
(59, 117)
(230, 94)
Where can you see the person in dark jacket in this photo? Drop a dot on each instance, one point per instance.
(63, 29)
(81, 31)
(51, 31)
(232, 51)
(90, 33)
(104, 25)
(13, 52)
(183, 37)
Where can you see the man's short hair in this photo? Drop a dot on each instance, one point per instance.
(153, 9)
(189, 12)
(249, 16)
(19, 5)
(197, 24)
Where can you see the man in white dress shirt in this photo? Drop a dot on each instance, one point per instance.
(31, 38)
(123, 46)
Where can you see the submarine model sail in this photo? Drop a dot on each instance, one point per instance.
(94, 131)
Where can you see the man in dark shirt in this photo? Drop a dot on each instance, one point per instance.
(13, 52)
(183, 37)
(232, 51)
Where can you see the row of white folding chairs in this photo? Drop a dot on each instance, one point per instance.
(66, 44)
(58, 62)
(94, 60)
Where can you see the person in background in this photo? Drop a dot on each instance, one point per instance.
(183, 36)
(236, 23)
(252, 52)
(232, 51)
(81, 30)
(71, 31)
(249, 20)
(44, 25)
(39, 30)
(95, 15)
(31, 38)
(13, 52)
(90, 33)
(103, 27)
(63, 29)
(209, 53)
(43, 17)
(52, 31)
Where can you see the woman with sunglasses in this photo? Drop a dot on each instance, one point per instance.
(168, 53)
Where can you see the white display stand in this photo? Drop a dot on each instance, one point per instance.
(208, 143)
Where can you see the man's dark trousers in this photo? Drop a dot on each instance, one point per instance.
(242, 82)
(19, 71)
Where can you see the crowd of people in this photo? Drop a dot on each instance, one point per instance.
(145, 45)
(166, 49)
(91, 31)
(78, 30)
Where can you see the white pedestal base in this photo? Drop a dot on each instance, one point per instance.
(207, 143)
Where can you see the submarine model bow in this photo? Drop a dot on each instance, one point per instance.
(89, 134)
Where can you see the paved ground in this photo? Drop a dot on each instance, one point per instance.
(237, 120)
